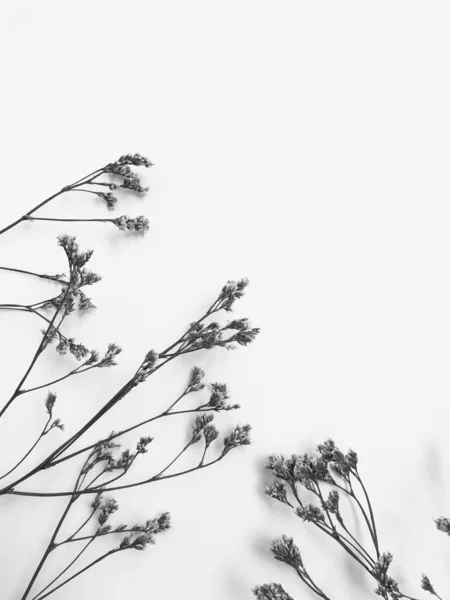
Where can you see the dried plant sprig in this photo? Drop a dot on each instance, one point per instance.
(137, 537)
(107, 463)
(120, 169)
(315, 474)
(271, 591)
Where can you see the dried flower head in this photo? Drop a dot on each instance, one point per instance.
(106, 509)
(427, 586)
(147, 367)
(443, 524)
(195, 383)
(141, 447)
(201, 423)
(232, 291)
(310, 512)
(271, 591)
(109, 198)
(286, 551)
(50, 402)
(277, 491)
(135, 224)
(110, 355)
(240, 436)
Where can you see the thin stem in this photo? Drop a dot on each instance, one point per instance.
(50, 546)
(76, 371)
(363, 512)
(39, 275)
(68, 188)
(372, 518)
(357, 543)
(95, 490)
(70, 220)
(83, 524)
(66, 568)
(29, 451)
(95, 535)
(124, 431)
(333, 534)
(37, 353)
(344, 543)
(306, 578)
(91, 564)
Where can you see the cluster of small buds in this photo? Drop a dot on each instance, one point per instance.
(271, 591)
(277, 491)
(135, 224)
(51, 334)
(87, 277)
(443, 524)
(232, 291)
(110, 355)
(79, 351)
(106, 509)
(344, 464)
(240, 436)
(141, 446)
(96, 501)
(108, 198)
(94, 357)
(56, 423)
(210, 434)
(122, 463)
(147, 367)
(130, 179)
(205, 337)
(79, 277)
(282, 467)
(101, 452)
(50, 402)
(331, 504)
(389, 589)
(203, 427)
(140, 542)
(137, 160)
(427, 586)
(195, 382)
(219, 397)
(85, 304)
(75, 257)
(309, 470)
(245, 333)
(287, 552)
(386, 584)
(145, 533)
(310, 513)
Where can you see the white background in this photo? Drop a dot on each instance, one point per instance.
(304, 144)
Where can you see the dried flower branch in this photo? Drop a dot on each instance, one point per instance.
(327, 476)
(107, 466)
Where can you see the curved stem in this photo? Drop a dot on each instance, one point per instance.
(39, 275)
(86, 179)
(64, 570)
(91, 564)
(95, 490)
(37, 353)
(29, 451)
(71, 220)
(113, 436)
